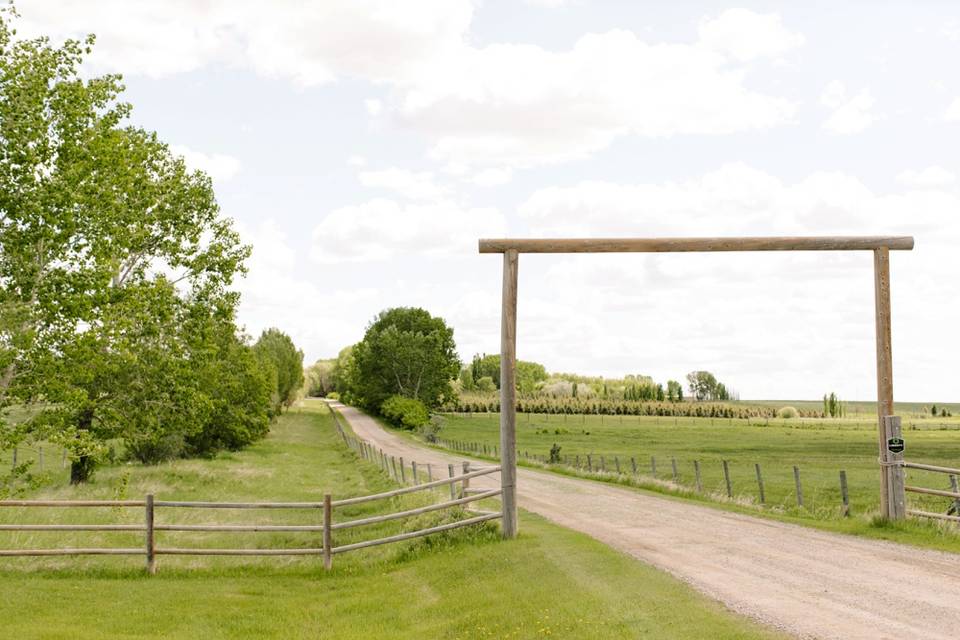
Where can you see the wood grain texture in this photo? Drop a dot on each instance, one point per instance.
(666, 245)
(881, 281)
(508, 395)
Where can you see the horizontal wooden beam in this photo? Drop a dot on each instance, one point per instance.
(668, 245)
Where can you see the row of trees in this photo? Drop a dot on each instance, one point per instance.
(117, 317)
(705, 386)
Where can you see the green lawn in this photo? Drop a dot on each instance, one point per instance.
(466, 584)
(820, 449)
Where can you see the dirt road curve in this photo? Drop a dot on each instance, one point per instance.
(807, 582)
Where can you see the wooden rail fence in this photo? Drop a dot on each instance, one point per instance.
(328, 525)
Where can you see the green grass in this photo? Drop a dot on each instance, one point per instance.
(465, 584)
(820, 449)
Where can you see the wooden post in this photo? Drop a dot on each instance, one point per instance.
(40, 456)
(726, 479)
(327, 532)
(616, 462)
(696, 472)
(844, 496)
(466, 483)
(576, 461)
(590, 463)
(893, 465)
(150, 540)
(508, 395)
(653, 466)
(393, 462)
(429, 472)
(403, 472)
(676, 473)
(63, 460)
(603, 464)
(633, 465)
(453, 485)
(763, 497)
(881, 275)
(796, 480)
(416, 475)
(956, 489)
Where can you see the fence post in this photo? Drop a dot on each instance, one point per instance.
(726, 479)
(653, 466)
(844, 496)
(429, 472)
(956, 489)
(633, 465)
(603, 464)
(616, 462)
(393, 462)
(327, 532)
(63, 460)
(149, 538)
(893, 469)
(590, 462)
(576, 461)
(696, 472)
(403, 472)
(40, 455)
(453, 485)
(676, 474)
(416, 475)
(763, 497)
(465, 483)
(796, 480)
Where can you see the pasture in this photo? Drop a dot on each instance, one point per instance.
(819, 448)
(466, 584)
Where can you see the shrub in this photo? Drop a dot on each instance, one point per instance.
(333, 395)
(406, 413)
(787, 412)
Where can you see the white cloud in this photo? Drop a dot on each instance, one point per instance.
(308, 42)
(320, 327)
(356, 161)
(952, 114)
(520, 105)
(220, 167)
(546, 4)
(850, 115)
(931, 177)
(491, 177)
(501, 105)
(745, 35)
(416, 185)
(381, 229)
(741, 315)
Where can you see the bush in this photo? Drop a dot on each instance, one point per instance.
(406, 413)
(787, 412)
(333, 395)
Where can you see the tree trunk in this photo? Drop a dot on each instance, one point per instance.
(81, 469)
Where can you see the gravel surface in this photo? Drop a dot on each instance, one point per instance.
(807, 582)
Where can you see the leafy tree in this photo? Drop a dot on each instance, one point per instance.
(674, 391)
(933, 410)
(276, 348)
(405, 351)
(318, 378)
(486, 384)
(703, 384)
(105, 240)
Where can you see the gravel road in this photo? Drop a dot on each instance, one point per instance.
(807, 582)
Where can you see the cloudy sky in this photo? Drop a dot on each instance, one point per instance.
(363, 146)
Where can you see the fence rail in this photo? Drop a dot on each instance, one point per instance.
(458, 498)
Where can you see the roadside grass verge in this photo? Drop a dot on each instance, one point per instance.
(463, 584)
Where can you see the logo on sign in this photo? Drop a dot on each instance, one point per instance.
(895, 445)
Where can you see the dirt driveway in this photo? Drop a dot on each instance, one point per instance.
(808, 582)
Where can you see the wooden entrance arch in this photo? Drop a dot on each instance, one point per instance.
(892, 504)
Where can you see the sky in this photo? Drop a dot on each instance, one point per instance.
(364, 146)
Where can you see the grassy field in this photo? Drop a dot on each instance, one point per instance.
(820, 449)
(466, 584)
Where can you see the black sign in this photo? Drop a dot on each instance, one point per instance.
(895, 445)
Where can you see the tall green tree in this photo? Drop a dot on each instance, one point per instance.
(276, 347)
(104, 234)
(407, 352)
